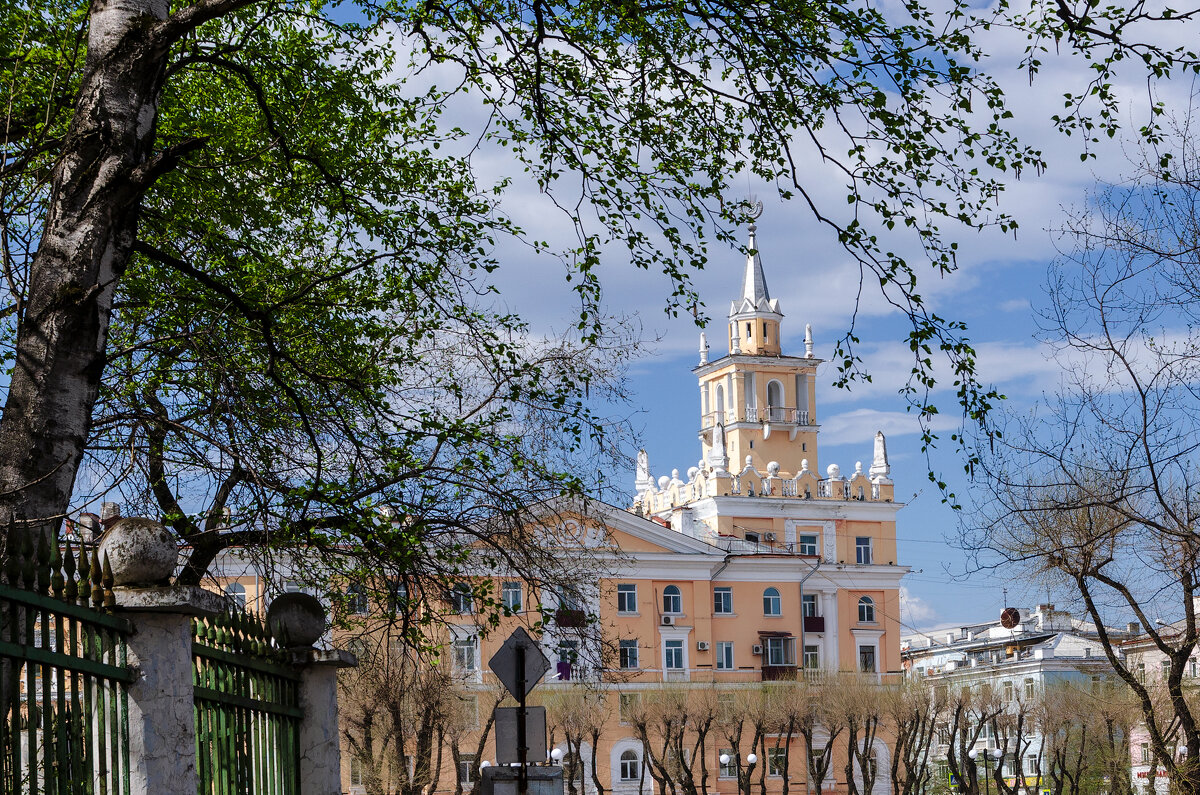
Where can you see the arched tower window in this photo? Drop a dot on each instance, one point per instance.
(672, 599)
(721, 402)
(775, 401)
(866, 610)
(772, 604)
(631, 765)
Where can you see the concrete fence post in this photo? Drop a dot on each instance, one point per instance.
(320, 745)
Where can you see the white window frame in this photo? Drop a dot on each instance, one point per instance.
(729, 770)
(874, 649)
(772, 602)
(674, 607)
(674, 645)
(628, 653)
(627, 598)
(803, 546)
(726, 600)
(866, 610)
(463, 599)
(508, 589)
(724, 656)
(810, 599)
(629, 773)
(780, 651)
(864, 553)
(813, 650)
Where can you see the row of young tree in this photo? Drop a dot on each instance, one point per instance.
(412, 728)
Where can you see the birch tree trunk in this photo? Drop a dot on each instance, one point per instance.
(86, 241)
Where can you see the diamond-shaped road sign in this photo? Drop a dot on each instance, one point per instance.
(505, 663)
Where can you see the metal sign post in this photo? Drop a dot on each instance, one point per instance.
(520, 665)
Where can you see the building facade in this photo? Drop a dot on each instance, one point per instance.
(766, 570)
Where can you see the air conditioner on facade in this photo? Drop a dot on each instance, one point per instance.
(756, 648)
(668, 621)
(769, 536)
(701, 645)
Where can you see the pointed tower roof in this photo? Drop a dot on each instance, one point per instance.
(755, 298)
(754, 282)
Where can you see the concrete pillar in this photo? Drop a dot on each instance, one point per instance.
(162, 731)
(320, 749)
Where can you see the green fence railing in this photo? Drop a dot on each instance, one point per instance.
(64, 723)
(247, 709)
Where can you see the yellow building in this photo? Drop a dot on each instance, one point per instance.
(734, 575)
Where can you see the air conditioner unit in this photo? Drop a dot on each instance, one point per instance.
(769, 536)
(701, 645)
(756, 649)
(668, 621)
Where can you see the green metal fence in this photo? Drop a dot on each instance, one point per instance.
(64, 723)
(247, 709)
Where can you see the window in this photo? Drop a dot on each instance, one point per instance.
(356, 600)
(730, 768)
(1031, 765)
(1145, 753)
(397, 597)
(866, 659)
(781, 651)
(751, 537)
(568, 599)
(465, 657)
(776, 761)
(722, 600)
(808, 605)
(673, 655)
(512, 595)
(672, 599)
(1008, 691)
(772, 604)
(631, 766)
(1029, 688)
(356, 771)
(568, 651)
(1140, 672)
(235, 592)
(807, 545)
(1192, 668)
(724, 655)
(629, 653)
(461, 599)
(627, 597)
(866, 610)
(812, 657)
(626, 704)
(466, 768)
(862, 550)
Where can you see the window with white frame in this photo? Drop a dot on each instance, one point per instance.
(724, 655)
(356, 771)
(866, 610)
(781, 651)
(466, 653)
(512, 595)
(673, 655)
(812, 657)
(627, 597)
(806, 544)
(866, 659)
(356, 600)
(808, 605)
(776, 760)
(629, 653)
(1029, 688)
(728, 769)
(235, 592)
(1008, 691)
(772, 604)
(1145, 753)
(466, 769)
(672, 600)
(631, 766)
(461, 598)
(862, 550)
(568, 599)
(722, 600)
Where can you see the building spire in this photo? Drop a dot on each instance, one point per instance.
(754, 282)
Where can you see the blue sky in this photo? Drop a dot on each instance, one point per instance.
(997, 291)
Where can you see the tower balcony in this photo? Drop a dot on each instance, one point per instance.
(771, 415)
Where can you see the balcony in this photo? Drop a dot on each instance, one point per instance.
(814, 623)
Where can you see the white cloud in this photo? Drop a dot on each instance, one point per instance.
(914, 611)
(860, 425)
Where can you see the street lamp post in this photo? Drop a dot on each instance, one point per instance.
(976, 753)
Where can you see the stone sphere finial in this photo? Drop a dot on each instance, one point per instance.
(858, 467)
(834, 472)
(692, 473)
(804, 465)
(748, 460)
(773, 468)
(140, 552)
(663, 482)
(297, 620)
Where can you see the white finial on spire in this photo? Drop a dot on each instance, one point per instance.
(735, 343)
(808, 343)
(880, 468)
(717, 457)
(643, 481)
(703, 348)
